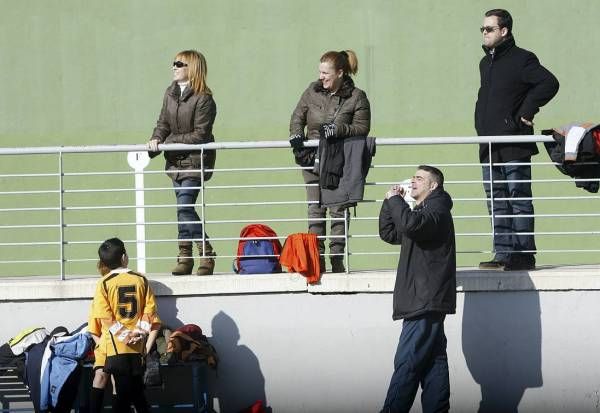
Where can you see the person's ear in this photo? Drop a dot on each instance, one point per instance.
(504, 31)
(124, 260)
(433, 186)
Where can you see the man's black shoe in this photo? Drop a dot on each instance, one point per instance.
(492, 265)
(520, 262)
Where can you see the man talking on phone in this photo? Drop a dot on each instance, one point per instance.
(425, 289)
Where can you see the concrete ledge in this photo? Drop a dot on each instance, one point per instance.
(563, 278)
(227, 284)
(356, 282)
(544, 279)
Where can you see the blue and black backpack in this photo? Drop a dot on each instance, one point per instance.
(259, 255)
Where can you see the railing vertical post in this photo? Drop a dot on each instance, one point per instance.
(138, 161)
(202, 202)
(61, 214)
(346, 250)
(491, 183)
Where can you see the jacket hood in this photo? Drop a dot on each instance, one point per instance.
(344, 91)
(501, 48)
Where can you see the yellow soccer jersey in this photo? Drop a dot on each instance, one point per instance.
(123, 303)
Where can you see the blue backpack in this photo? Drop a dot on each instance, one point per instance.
(257, 256)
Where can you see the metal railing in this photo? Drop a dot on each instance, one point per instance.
(57, 204)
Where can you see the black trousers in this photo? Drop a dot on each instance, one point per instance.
(420, 359)
(130, 390)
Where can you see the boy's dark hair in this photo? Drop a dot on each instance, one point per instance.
(111, 252)
(436, 174)
(504, 18)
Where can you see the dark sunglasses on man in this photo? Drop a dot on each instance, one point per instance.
(179, 64)
(488, 29)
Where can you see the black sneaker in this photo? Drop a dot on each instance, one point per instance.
(492, 265)
(520, 262)
(337, 264)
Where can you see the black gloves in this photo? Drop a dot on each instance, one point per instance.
(297, 140)
(327, 130)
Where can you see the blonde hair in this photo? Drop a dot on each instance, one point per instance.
(197, 70)
(346, 61)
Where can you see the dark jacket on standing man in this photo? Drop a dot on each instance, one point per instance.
(186, 118)
(426, 275)
(513, 85)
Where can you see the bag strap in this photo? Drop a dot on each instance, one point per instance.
(337, 108)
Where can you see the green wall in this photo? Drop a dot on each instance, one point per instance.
(81, 72)
(76, 72)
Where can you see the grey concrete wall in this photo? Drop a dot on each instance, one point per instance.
(529, 343)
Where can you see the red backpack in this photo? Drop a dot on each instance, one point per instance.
(257, 256)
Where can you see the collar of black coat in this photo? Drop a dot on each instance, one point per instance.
(502, 48)
(438, 195)
(175, 91)
(344, 91)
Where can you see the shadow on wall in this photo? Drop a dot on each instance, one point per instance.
(167, 305)
(502, 345)
(239, 382)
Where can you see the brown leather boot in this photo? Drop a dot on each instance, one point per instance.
(206, 264)
(185, 262)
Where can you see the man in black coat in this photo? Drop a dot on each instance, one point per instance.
(425, 289)
(514, 85)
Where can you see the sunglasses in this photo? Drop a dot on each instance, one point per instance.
(179, 64)
(488, 29)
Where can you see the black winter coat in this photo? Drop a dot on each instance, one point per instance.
(426, 276)
(513, 85)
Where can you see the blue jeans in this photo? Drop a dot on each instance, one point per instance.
(505, 239)
(186, 195)
(420, 359)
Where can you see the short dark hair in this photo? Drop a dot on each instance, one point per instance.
(111, 252)
(435, 173)
(504, 18)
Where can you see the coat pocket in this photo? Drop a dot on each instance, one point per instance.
(204, 159)
(511, 125)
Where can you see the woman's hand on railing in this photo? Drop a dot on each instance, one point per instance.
(152, 145)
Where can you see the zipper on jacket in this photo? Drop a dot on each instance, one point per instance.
(492, 54)
(177, 114)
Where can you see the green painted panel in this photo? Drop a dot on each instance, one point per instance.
(90, 72)
(74, 73)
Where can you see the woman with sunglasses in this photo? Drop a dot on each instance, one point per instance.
(331, 108)
(187, 116)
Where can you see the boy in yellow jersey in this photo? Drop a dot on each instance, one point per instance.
(125, 322)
